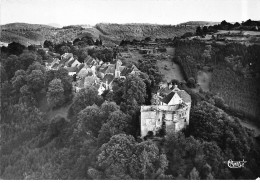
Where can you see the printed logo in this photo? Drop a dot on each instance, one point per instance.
(235, 164)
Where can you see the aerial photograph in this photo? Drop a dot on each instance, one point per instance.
(130, 90)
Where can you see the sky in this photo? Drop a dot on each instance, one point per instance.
(73, 12)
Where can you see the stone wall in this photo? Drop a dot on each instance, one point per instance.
(152, 117)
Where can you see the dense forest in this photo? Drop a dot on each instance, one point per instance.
(99, 136)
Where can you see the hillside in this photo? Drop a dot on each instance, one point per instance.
(35, 33)
(25, 38)
(140, 31)
(19, 26)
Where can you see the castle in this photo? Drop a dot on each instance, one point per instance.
(170, 113)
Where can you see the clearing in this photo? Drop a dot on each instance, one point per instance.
(62, 111)
(168, 68)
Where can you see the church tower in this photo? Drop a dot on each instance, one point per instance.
(117, 70)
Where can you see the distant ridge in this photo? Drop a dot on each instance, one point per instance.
(55, 25)
(140, 31)
(199, 23)
(18, 26)
(27, 34)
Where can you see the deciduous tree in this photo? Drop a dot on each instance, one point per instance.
(90, 119)
(55, 94)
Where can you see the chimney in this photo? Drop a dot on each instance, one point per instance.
(106, 85)
(170, 85)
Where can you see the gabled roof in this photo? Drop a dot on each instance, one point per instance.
(184, 95)
(103, 70)
(125, 71)
(72, 69)
(168, 98)
(67, 55)
(89, 61)
(121, 68)
(110, 69)
(68, 63)
(165, 90)
(134, 68)
(54, 66)
(80, 67)
(63, 61)
(83, 72)
(108, 78)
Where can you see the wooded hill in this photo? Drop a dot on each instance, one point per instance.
(35, 33)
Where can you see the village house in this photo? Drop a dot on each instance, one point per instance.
(94, 72)
(170, 113)
(53, 65)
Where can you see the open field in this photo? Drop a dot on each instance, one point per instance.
(130, 56)
(168, 68)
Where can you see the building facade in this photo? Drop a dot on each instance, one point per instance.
(170, 113)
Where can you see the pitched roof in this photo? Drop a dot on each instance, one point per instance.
(109, 78)
(54, 66)
(121, 68)
(72, 69)
(80, 67)
(68, 63)
(67, 55)
(165, 90)
(134, 68)
(76, 61)
(184, 95)
(83, 72)
(63, 61)
(125, 71)
(168, 98)
(89, 61)
(110, 69)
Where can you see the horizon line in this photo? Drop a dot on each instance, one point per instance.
(50, 24)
